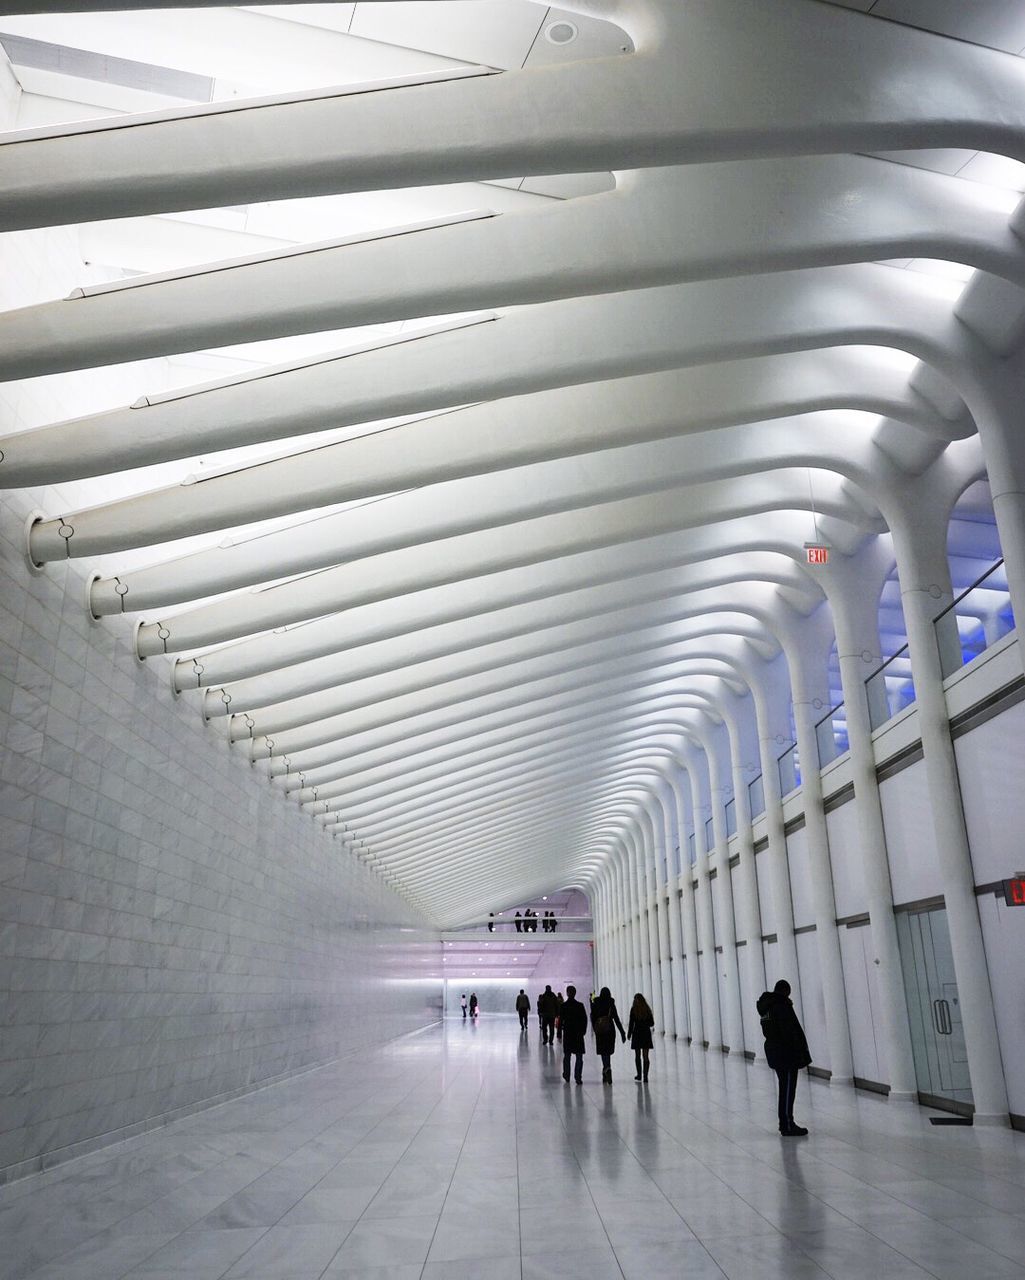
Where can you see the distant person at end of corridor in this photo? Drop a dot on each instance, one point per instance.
(547, 1007)
(604, 1023)
(574, 1035)
(639, 1029)
(474, 1008)
(462, 1003)
(786, 1051)
(523, 1008)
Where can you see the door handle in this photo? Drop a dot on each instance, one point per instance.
(941, 1018)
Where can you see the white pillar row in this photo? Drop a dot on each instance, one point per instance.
(680, 781)
(652, 851)
(807, 643)
(714, 741)
(668, 917)
(642, 878)
(697, 771)
(772, 702)
(920, 542)
(739, 715)
(854, 586)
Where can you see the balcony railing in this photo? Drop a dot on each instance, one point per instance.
(975, 620)
(890, 688)
(756, 797)
(788, 765)
(831, 734)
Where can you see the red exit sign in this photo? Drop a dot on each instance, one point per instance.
(1014, 891)
(816, 554)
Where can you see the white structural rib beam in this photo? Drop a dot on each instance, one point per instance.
(712, 80)
(517, 353)
(834, 441)
(505, 667)
(376, 744)
(827, 210)
(475, 642)
(488, 551)
(627, 574)
(836, 306)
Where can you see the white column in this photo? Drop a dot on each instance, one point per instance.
(853, 595)
(924, 573)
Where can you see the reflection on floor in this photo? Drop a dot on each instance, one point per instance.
(459, 1152)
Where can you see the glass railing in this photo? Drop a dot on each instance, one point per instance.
(756, 797)
(731, 818)
(692, 849)
(890, 688)
(975, 620)
(709, 835)
(831, 734)
(789, 768)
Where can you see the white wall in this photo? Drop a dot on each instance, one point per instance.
(171, 929)
(991, 762)
(910, 835)
(844, 842)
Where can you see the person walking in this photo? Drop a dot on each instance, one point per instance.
(559, 1002)
(523, 1008)
(786, 1051)
(604, 1023)
(473, 1004)
(462, 1004)
(639, 1029)
(574, 1036)
(518, 922)
(548, 1007)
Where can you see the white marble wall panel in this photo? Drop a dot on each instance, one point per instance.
(172, 930)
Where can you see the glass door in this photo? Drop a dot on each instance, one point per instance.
(934, 1007)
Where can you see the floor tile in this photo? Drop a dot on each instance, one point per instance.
(451, 1157)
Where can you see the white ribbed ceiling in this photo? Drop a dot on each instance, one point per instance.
(455, 495)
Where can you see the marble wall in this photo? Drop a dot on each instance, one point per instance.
(171, 929)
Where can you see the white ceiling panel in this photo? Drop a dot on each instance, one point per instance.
(493, 33)
(1000, 24)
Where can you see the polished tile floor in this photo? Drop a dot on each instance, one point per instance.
(459, 1152)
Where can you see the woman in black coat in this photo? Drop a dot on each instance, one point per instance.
(604, 1023)
(641, 1025)
(786, 1050)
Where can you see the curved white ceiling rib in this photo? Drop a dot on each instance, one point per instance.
(470, 583)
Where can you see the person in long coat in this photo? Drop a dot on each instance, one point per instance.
(786, 1051)
(639, 1029)
(574, 1035)
(604, 1023)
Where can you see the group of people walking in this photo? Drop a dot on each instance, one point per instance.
(568, 1020)
(473, 1005)
(528, 920)
(786, 1047)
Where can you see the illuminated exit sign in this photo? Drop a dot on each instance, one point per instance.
(817, 552)
(1014, 891)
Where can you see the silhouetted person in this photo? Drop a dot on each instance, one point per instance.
(559, 1002)
(462, 1003)
(491, 922)
(523, 1008)
(553, 924)
(518, 922)
(574, 1035)
(786, 1051)
(547, 1007)
(639, 1029)
(473, 1004)
(604, 1023)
